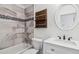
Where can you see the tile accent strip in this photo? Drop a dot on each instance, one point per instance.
(15, 19)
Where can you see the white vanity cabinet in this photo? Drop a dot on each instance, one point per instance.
(49, 48)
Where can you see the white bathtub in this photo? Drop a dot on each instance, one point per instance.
(36, 43)
(23, 49)
(13, 49)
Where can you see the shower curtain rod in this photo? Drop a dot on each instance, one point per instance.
(16, 19)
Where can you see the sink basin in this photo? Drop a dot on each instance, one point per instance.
(65, 43)
(72, 43)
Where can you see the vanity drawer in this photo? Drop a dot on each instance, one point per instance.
(56, 49)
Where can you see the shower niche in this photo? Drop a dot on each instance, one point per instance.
(41, 19)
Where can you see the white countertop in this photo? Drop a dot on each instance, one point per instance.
(64, 43)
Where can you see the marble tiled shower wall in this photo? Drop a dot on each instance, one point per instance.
(30, 29)
(11, 33)
(29, 13)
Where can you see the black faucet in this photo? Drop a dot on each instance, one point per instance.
(64, 37)
(59, 37)
(69, 38)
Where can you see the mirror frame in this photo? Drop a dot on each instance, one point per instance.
(57, 17)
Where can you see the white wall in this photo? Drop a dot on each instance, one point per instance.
(52, 30)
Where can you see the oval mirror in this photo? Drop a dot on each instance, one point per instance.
(66, 16)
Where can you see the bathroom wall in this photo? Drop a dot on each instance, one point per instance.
(12, 10)
(12, 31)
(29, 11)
(30, 28)
(29, 31)
(52, 30)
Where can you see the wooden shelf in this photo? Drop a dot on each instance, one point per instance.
(41, 15)
(41, 19)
